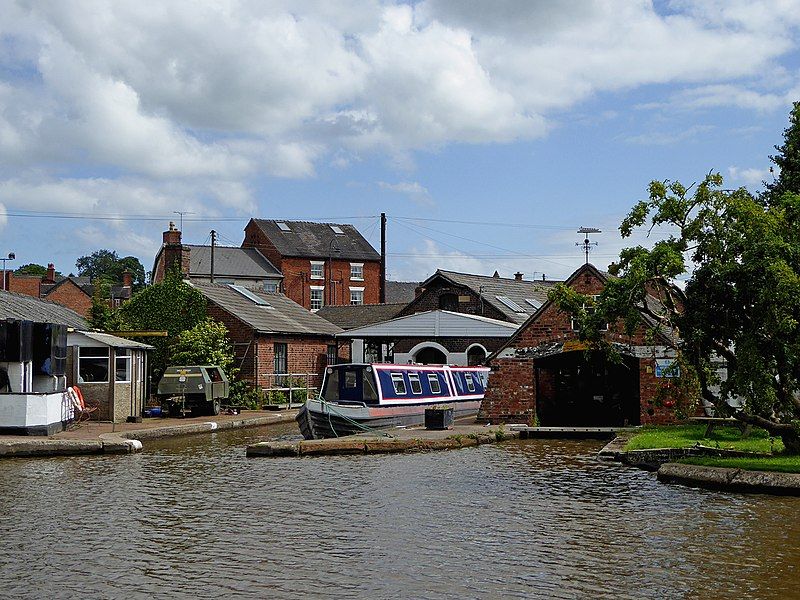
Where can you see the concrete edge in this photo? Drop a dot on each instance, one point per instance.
(127, 442)
(356, 444)
(729, 479)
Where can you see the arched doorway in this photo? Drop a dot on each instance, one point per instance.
(430, 356)
(476, 355)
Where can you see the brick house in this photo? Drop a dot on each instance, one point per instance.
(322, 263)
(272, 334)
(544, 375)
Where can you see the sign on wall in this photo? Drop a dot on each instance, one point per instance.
(667, 367)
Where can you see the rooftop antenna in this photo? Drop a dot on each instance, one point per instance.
(586, 244)
(181, 213)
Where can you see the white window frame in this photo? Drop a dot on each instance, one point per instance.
(398, 378)
(271, 287)
(321, 290)
(433, 379)
(357, 268)
(123, 355)
(358, 290)
(470, 382)
(414, 377)
(321, 265)
(95, 359)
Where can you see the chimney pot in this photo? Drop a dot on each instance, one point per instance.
(518, 276)
(51, 273)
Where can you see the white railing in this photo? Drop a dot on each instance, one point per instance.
(292, 388)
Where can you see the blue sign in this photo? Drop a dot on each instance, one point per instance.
(667, 367)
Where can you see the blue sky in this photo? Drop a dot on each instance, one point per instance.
(505, 125)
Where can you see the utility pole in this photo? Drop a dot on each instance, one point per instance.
(382, 298)
(586, 244)
(213, 243)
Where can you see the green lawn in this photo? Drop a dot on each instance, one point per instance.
(683, 436)
(783, 464)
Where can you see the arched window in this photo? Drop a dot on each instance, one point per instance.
(430, 356)
(476, 356)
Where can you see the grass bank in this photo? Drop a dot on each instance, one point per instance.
(779, 464)
(685, 436)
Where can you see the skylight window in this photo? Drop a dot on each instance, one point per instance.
(534, 303)
(283, 226)
(510, 304)
(250, 295)
(336, 229)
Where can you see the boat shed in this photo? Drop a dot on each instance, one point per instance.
(431, 337)
(545, 375)
(111, 372)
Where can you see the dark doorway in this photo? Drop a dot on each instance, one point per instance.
(431, 356)
(583, 390)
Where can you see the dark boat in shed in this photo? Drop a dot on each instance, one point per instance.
(358, 397)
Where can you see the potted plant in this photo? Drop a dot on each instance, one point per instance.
(439, 417)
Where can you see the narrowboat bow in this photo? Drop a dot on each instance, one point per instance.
(359, 397)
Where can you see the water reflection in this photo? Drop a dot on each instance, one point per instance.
(194, 517)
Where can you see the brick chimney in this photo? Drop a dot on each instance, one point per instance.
(175, 253)
(51, 274)
(127, 278)
(518, 276)
(418, 291)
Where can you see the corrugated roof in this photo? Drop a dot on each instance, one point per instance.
(22, 307)
(113, 340)
(401, 291)
(313, 240)
(231, 262)
(282, 316)
(435, 324)
(518, 292)
(349, 316)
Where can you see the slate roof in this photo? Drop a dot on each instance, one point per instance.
(313, 240)
(22, 307)
(84, 283)
(401, 291)
(282, 316)
(349, 316)
(231, 262)
(492, 287)
(435, 324)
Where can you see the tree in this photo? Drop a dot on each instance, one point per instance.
(32, 269)
(206, 343)
(170, 305)
(787, 160)
(741, 303)
(108, 266)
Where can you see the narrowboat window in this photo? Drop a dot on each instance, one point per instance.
(350, 380)
(370, 393)
(470, 383)
(399, 384)
(416, 386)
(331, 391)
(433, 379)
(459, 383)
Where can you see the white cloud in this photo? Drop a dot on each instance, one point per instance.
(750, 176)
(412, 189)
(667, 138)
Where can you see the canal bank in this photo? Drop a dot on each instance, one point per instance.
(95, 437)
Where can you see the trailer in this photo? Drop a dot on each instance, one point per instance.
(199, 389)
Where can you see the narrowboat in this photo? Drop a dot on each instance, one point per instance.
(358, 397)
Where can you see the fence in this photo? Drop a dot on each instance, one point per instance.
(291, 387)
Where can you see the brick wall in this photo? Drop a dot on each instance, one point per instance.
(255, 238)
(429, 300)
(70, 295)
(297, 281)
(23, 284)
(452, 344)
(511, 395)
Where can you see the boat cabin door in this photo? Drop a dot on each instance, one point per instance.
(351, 385)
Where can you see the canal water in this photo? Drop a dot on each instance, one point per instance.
(194, 518)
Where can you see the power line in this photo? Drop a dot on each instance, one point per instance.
(110, 217)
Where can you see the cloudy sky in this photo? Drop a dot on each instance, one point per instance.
(487, 131)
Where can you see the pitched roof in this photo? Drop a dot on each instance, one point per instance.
(22, 307)
(401, 291)
(84, 284)
(493, 289)
(315, 240)
(231, 262)
(349, 316)
(435, 324)
(113, 340)
(278, 315)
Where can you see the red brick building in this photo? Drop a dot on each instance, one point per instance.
(323, 264)
(273, 335)
(544, 375)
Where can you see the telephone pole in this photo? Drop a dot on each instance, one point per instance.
(213, 243)
(382, 298)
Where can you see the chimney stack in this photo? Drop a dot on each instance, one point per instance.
(518, 276)
(172, 235)
(51, 274)
(175, 253)
(127, 278)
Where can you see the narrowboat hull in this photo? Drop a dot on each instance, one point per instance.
(318, 420)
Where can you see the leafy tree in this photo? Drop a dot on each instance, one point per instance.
(108, 266)
(206, 343)
(170, 305)
(787, 159)
(741, 303)
(32, 269)
(100, 313)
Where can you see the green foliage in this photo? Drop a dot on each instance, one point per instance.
(244, 394)
(170, 305)
(206, 343)
(787, 160)
(32, 269)
(100, 313)
(107, 266)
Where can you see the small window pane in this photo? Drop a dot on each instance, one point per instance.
(356, 271)
(399, 384)
(123, 366)
(350, 379)
(470, 383)
(433, 379)
(416, 386)
(356, 297)
(317, 269)
(316, 299)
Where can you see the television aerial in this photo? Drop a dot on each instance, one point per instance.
(586, 244)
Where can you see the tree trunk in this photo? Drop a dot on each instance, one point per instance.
(791, 441)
